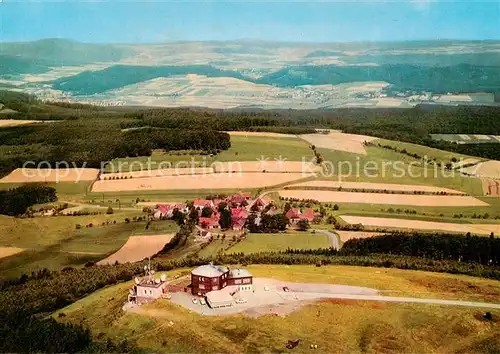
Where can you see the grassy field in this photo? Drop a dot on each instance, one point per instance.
(254, 243)
(54, 242)
(67, 191)
(250, 148)
(336, 326)
(379, 169)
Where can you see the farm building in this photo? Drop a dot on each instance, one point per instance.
(295, 215)
(210, 277)
(148, 289)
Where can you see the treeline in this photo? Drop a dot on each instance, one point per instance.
(16, 201)
(267, 223)
(88, 142)
(468, 249)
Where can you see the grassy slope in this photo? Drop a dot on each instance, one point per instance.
(254, 243)
(54, 242)
(335, 326)
(242, 148)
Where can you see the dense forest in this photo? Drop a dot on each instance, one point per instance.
(16, 201)
(92, 135)
(469, 249)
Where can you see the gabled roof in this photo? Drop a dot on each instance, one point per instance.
(273, 211)
(293, 213)
(307, 215)
(163, 208)
(239, 213)
(202, 203)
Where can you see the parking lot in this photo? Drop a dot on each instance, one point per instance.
(275, 300)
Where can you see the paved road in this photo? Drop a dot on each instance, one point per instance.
(334, 240)
(408, 300)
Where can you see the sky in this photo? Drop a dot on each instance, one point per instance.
(139, 21)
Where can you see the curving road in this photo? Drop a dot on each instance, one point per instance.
(334, 240)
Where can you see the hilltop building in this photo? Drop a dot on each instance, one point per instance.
(210, 277)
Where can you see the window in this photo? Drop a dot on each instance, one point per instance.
(237, 281)
(150, 292)
(201, 286)
(246, 281)
(145, 292)
(200, 278)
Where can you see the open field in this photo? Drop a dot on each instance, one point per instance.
(491, 187)
(137, 248)
(339, 141)
(263, 134)
(158, 173)
(393, 223)
(9, 251)
(198, 182)
(381, 198)
(440, 155)
(268, 166)
(488, 169)
(467, 138)
(54, 242)
(13, 122)
(257, 148)
(347, 235)
(358, 325)
(375, 186)
(254, 243)
(28, 175)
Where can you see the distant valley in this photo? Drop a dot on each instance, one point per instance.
(255, 74)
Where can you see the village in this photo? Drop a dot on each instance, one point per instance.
(235, 212)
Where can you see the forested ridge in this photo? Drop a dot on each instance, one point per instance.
(90, 135)
(16, 201)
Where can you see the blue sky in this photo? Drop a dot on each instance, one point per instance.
(314, 21)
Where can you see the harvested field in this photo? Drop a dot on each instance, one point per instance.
(28, 175)
(339, 141)
(268, 166)
(158, 173)
(347, 235)
(481, 229)
(137, 248)
(9, 251)
(381, 198)
(488, 169)
(14, 122)
(376, 186)
(265, 134)
(198, 182)
(491, 187)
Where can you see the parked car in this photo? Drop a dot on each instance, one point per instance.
(203, 302)
(266, 288)
(195, 301)
(285, 289)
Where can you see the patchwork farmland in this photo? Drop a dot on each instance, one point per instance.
(467, 138)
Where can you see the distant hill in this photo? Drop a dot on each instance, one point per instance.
(323, 53)
(92, 82)
(11, 66)
(458, 78)
(59, 52)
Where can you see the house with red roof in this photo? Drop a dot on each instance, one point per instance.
(260, 203)
(202, 203)
(239, 218)
(295, 215)
(162, 211)
(209, 223)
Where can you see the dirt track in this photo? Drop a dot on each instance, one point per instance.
(392, 223)
(380, 198)
(137, 248)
